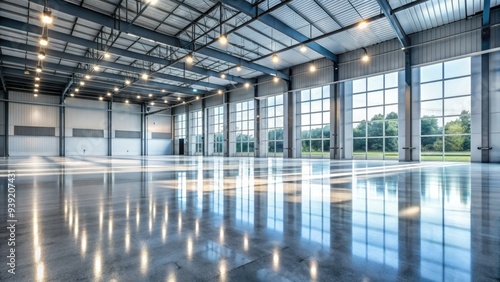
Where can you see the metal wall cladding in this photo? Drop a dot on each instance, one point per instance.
(29, 97)
(466, 41)
(195, 105)
(34, 131)
(89, 133)
(494, 107)
(160, 147)
(126, 147)
(33, 146)
(241, 94)
(126, 117)
(127, 134)
(495, 31)
(93, 114)
(32, 115)
(160, 123)
(182, 109)
(267, 86)
(384, 57)
(86, 146)
(214, 101)
(302, 77)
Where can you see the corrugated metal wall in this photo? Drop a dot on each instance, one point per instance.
(33, 115)
(241, 94)
(385, 57)
(92, 115)
(302, 77)
(126, 117)
(2, 125)
(214, 101)
(495, 107)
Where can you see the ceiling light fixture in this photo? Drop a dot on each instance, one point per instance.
(165, 101)
(312, 68)
(152, 103)
(178, 98)
(41, 55)
(247, 84)
(365, 57)
(223, 39)
(238, 68)
(126, 101)
(150, 95)
(109, 93)
(223, 75)
(100, 98)
(362, 24)
(26, 71)
(197, 97)
(127, 82)
(145, 76)
(37, 78)
(116, 89)
(39, 69)
(184, 102)
(97, 68)
(275, 58)
(36, 84)
(107, 55)
(36, 90)
(44, 41)
(36, 95)
(189, 58)
(72, 94)
(303, 48)
(276, 79)
(77, 89)
(219, 92)
(87, 76)
(47, 17)
(82, 83)
(138, 96)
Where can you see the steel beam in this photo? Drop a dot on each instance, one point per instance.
(7, 123)
(10, 23)
(68, 86)
(69, 70)
(110, 127)
(112, 65)
(120, 25)
(2, 80)
(62, 128)
(289, 118)
(408, 146)
(386, 8)
(254, 11)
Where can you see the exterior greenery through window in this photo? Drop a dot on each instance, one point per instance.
(272, 125)
(242, 128)
(375, 117)
(445, 94)
(196, 132)
(180, 130)
(215, 131)
(314, 122)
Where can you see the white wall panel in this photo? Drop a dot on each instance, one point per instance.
(160, 123)
(267, 86)
(93, 116)
(33, 146)
(32, 115)
(126, 147)
(241, 94)
(29, 97)
(158, 147)
(81, 146)
(214, 101)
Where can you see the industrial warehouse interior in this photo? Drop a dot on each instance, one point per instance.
(250, 140)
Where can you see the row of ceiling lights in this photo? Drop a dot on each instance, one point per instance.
(44, 41)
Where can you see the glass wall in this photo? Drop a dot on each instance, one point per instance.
(445, 94)
(313, 122)
(196, 133)
(375, 117)
(242, 128)
(216, 131)
(180, 130)
(272, 125)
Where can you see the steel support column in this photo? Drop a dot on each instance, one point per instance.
(257, 151)
(6, 128)
(110, 127)
(288, 138)
(143, 128)
(335, 148)
(62, 128)
(226, 124)
(188, 131)
(408, 146)
(485, 85)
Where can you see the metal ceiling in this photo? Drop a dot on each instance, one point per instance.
(155, 36)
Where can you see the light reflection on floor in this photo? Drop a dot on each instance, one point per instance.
(192, 218)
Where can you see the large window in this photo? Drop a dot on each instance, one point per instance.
(445, 94)
(196, 133)
(313, 112)
(242, 128)
(272, 125)
(375, 117)
(180, 130)
(215, 131)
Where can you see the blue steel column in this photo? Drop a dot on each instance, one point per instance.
(408, 146)
(62, 128)
(226, 124)
(335, 148)
(143, 118)
(6, 129)
(289, 119)
(110, 127)
(485, 85)
(256, 142)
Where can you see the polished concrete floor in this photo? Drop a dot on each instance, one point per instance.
(244, 219)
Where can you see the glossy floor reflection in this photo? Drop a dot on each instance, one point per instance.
(239, 219)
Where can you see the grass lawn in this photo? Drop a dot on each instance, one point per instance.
(426, 156)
